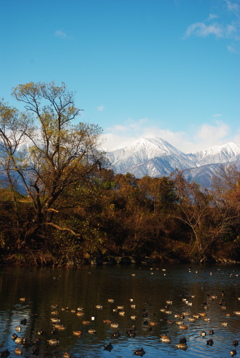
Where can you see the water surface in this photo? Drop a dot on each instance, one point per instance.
(151, 299)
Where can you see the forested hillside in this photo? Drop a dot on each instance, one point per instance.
(75, 210)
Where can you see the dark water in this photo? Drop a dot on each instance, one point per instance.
(213, 291)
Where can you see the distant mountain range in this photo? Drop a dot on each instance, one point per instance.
(156, 157)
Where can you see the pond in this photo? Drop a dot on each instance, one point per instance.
(101, 304)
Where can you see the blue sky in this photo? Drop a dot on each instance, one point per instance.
(167, 68)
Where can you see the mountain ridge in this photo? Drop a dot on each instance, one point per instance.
(156, 157)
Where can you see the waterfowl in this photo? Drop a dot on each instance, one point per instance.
(18, 340)
(114, 325)
(99, 307)
(209, 342)
(23, 321)
(121, 313)
(203, 334)
(211, 332)
(86, 322)
(233, 352)
(183, 326)
(80, 313)
(5, 353)
(110, 300)
(131, 332)
(139, 352)
(18, 329)
(55, 320)
(108, 347)
(182, 343)
(92, 331)
(107, 321)
(18, 351)
(77, 333)
(59, 327)
(54, 313)
(116, 334)
(235, 343)
(22, 299)
(191, 319)
(53, 341)
(133, 317)
(14, 336)
(66, 355)
(179, 323)
(224, 324)
(164, 338)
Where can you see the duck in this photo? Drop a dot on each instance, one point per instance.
(66, 355)
(18, 329)
(233, 352)
(183, 326)
(92, 331)
(18, 351)
(5, 353)
(235, 343)
(164, 338)
(131, 332)
(203, 334)
(116, 334)
(139, 352)
(18, 340)
(209, 342)
(108, 347)
(77, 333)
(211, 332)
(181, 345)
(53, 341)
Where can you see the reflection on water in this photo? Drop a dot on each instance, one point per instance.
(157, 300)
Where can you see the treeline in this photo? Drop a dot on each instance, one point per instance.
(71, 209)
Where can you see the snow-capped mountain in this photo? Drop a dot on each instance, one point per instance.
(156, 157)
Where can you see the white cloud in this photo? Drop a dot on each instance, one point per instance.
(61, 34)
(218, 26)
(232, 6)
(100, 108)
(200, 29)
(205, 136)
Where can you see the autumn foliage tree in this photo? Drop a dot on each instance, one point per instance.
(46, 150)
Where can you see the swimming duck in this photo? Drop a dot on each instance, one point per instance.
(53, 342)
(5, 353)
(116, 334)
(92, 331)
(139, 352)
(77, 333)
(66, 355)
(108, 347)
(18, 351)
(164, 338)
(209, 342)
(235, 343)
(131, 332)
(181, 345)
(233, 352)
(183, 326)
(203, 334)
(211, 332)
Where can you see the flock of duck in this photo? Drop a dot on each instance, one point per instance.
(182, 320)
